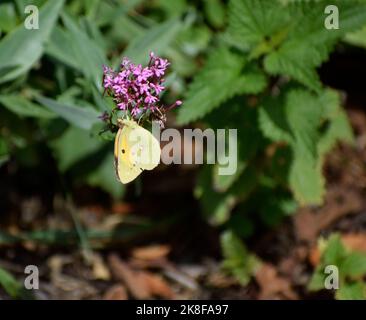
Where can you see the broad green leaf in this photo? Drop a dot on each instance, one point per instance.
(157, 39)
(357, 38)
(354, 265)
(23, 48)
(215, 13)
(334, 252)
(304, 114)
(74, 145)
(238, 115)
(87, 54)
(253, 21)
(58, 47)
(217, 206)
(7, 17)
(218, 81)
(296, 119)
(351, 291)
(306, 179)
(308, 43)
(82, 117)
(105, 177)
(338, 126)
(272, 120)
(317, 280)
(25, 108)
(237, 260)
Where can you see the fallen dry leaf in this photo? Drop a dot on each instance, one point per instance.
(273, 286)
(99, 268)
(157, 285)
(355, 241)
(314, 256)
(116, 292)
(339, 202)
(141, 284)
(153, 252)
(122, 272)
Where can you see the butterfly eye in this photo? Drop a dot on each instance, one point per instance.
(123, 151)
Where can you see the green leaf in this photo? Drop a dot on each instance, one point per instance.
(237, 260)
(217, 205)
(82, 117)
(253, 21)
(334, 252)
(74, 145)
(4, 152)
(357, 38)
(25, 108)
(105, 177)
(58, 47)
(215, 13)
(237, 114)
(218, 81)
(273, 121)
(351, 291)
(354, 265)
(7, 17)
(338, 128)
(87, 54)
(317, 280)
(308, 43)
(12, 286)
(306, 179)
(157, 39)
(295, 119)
(22, 48)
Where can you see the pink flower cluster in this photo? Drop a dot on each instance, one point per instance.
(136, 89)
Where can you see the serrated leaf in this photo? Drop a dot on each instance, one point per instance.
(82, 117)
(273, 121)
(218, 81)
(237, 260)
(308, 43)
(22, 47)
(304, 114)
(25, 108)
(338, 128)
(306, 179)
(252, 21)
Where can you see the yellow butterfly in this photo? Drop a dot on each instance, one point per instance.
(135, 150)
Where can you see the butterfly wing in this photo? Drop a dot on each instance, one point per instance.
(135, 150)
(125, 170)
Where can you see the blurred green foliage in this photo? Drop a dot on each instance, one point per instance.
(246, 64)
(351, 269)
